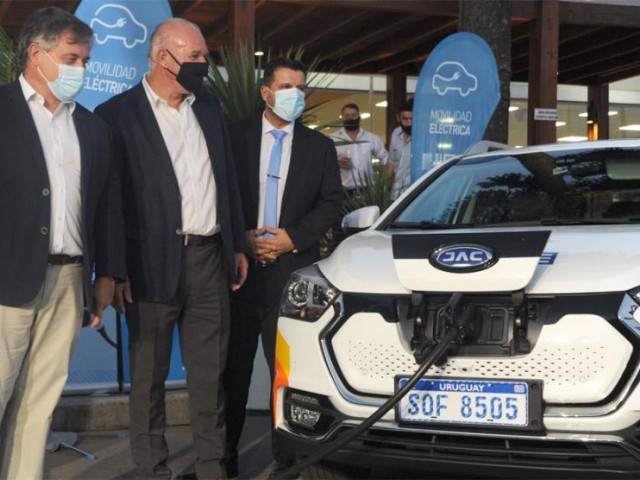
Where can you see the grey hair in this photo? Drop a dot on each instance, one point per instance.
(160, 37)
(44, 27)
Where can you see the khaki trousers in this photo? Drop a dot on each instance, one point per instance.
(36, 341)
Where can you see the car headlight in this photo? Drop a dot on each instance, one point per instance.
(629, 310)
(307, 295)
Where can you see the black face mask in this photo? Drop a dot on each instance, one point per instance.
(406, 130)
(191, 74)
(351, 123)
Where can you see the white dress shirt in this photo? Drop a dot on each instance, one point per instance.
(61, 150)
(268, 140)
(360, 154)
(400, 157)
(191, 163)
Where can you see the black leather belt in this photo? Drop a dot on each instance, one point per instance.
(190, 240)
(64, 260)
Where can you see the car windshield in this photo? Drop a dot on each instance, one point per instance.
(543, 188)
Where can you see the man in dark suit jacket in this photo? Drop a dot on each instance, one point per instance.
(60, 216)
(185, 236)
(309, 201)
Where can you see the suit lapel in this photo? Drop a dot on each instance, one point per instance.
(30, 135)
(254, 145)
(212, 131)
(149, 125)
(296, 166)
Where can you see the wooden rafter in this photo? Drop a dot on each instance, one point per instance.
(4, 8)
(390, 29)
(427, 34)
(345, 20)
(184, 7)
(300, 14)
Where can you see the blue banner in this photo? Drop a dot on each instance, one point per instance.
(121, 43)
(456, 95)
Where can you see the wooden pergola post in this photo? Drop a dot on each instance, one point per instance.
(396, 96)
(242, 22)
(598, 104)
(543, 71)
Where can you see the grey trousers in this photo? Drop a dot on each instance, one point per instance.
(201, 310)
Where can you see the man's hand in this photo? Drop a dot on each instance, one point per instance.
(252, 237)
(242, 267)
(122, 295)
(103, 292)
(345, 162)
(271, 248)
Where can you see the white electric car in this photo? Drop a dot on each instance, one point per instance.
(531, 257)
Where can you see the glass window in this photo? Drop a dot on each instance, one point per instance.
(537, 188)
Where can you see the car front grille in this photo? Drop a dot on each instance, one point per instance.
(543, 453)
(581, 358)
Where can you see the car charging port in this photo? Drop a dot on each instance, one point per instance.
(495, 325)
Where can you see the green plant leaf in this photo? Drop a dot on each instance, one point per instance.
(9, 65)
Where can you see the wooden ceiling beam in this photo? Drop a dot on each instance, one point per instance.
(614, 64)
(359, 39)
(520, 53)
(607, 42)
(346, 19)
(422, 7)
(183, 7)
(216, 28)
(598, 57)
(4, 8)
(591, 13)
(627, 72)
(432, 33)
(303, 12)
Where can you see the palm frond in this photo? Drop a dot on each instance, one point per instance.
(9, 65)
(239, 92)
(372, 189)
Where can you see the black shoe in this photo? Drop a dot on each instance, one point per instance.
(231, 466)
(280, 467)
(187, 475)
(160, 471)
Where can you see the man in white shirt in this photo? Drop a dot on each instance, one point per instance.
(356, 151)
(400, 150)
(60, 218)
(185, 235)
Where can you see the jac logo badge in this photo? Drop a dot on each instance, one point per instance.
(463, 258)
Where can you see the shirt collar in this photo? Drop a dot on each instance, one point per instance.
(267, 127)
(360, 132)
(31, 95)
(156, 100)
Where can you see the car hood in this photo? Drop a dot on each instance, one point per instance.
(541, 260)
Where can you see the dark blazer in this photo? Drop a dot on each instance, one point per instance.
(311, 202)
(25, 201)
(152, 203)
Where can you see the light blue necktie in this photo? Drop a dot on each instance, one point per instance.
(273, 176)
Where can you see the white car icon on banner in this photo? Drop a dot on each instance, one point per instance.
(116, 22)
(452, 76)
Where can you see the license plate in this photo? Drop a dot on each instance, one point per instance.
(499, 403)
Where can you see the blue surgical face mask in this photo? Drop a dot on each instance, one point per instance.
(289, 103)
(68, 82)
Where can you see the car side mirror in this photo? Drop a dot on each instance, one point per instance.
(360, 219)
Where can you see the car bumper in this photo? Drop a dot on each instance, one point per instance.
(584, 456)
